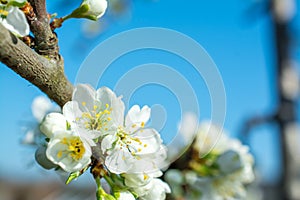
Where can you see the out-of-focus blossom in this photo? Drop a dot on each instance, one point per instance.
(217, 167)
(40, 107)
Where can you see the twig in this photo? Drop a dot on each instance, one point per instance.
(45, 40)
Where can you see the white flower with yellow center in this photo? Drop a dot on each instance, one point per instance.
(92, 113)
(12, 18)
(132, 147)
(68, 151)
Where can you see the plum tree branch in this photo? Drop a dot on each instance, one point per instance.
(46, 74)
(46, 41)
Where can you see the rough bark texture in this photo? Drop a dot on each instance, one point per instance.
(46, 74)
(46, 41)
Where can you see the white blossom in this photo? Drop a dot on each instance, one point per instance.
(231, 184)
(12, 18)
(235, 164)
(132, 147)
(93, 113)
(68, 151)
(52, 123)
(40, 107)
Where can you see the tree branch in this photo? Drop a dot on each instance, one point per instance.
(45, 40)
(45, 74)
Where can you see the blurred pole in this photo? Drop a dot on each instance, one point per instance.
(287, 87)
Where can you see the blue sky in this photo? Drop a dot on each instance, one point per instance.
(239, 44)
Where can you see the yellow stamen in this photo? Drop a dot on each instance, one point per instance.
(75, 148)
(59, 154)
(3, 12)
(146, 177)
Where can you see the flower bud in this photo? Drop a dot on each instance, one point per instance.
(53, 122)
(90, 9)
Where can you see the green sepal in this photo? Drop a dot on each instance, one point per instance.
(134, 194)
(118, 180)
(90, 17)
(72, 176)
(117, 194)
(75, 175)
(79, 12)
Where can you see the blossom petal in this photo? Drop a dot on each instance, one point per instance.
(53, 122)
(119, 161)
(158, 190)
(137, 118)
(126, 195)
(150, 141)
(40, 107)
(85, 95)
(16, 22)
(107, 143)
(71, 111)
(106, 96)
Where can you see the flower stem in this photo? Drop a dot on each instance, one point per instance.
(100, 191)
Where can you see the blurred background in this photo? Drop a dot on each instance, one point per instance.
(255, 46)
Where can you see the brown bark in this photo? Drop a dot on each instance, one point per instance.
(46, 74)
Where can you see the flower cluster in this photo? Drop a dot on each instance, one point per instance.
(215, 167)
(12, 18)
(92, 131)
